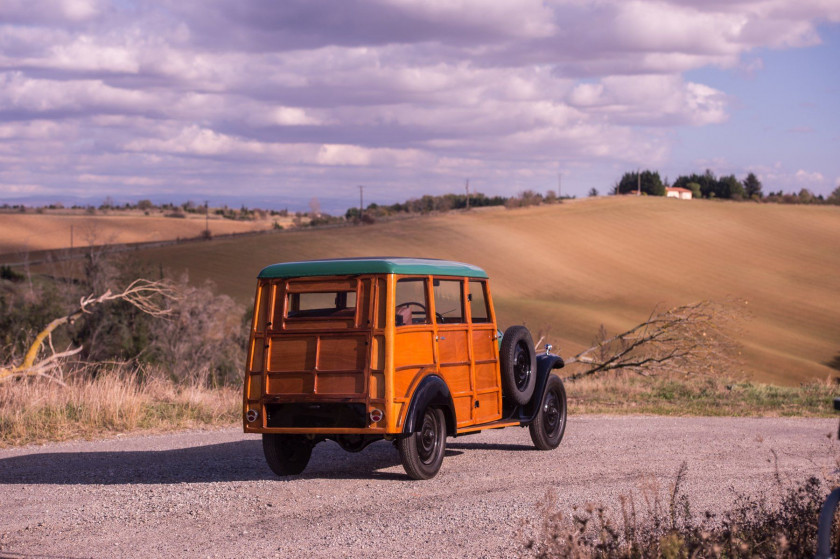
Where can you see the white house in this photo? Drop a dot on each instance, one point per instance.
(676, 192)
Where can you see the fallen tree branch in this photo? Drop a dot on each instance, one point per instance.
(689, 337)
(150, 297)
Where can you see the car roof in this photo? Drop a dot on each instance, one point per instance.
(371, 265)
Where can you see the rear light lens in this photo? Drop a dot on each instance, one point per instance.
(376, 415)
(252, 415)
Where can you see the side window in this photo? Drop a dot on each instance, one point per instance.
(478, 303)
(449, 301)
(411, 304)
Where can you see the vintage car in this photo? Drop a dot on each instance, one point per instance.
(357, 350)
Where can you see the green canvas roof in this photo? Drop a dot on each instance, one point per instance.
(355, 266)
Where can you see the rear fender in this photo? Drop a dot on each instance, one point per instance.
(432, 391)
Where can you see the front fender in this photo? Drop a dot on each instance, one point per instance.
(546, 362)
(432, 391)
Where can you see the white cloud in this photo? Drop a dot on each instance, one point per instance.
(201, 90)
(809, 177)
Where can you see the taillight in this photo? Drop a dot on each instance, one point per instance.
(252, 415)
(376, 415)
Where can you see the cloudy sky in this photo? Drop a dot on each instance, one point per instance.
(272, 103)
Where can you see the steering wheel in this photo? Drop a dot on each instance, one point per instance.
(408, 304)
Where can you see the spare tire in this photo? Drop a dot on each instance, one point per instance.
(518, 361)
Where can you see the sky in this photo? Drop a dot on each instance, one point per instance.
(272, 104)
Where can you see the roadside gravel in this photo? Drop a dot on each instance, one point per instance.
(210, 494)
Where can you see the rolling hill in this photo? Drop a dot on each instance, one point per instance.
(568, 268)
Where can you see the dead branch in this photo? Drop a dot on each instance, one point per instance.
(689, 338)
(150, 297)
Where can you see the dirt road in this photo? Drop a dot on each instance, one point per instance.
(210, 494)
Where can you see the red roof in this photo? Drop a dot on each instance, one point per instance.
(676, 189)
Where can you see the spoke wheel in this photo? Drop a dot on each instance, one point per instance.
(548, 427)
(518, 362)
(421, 453)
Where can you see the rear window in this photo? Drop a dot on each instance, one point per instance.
(322, 304)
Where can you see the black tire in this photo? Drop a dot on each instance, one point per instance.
(519, 364)
(287, 455)
(548, 427)
(421, 453)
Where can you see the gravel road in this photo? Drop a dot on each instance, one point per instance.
(210, 494)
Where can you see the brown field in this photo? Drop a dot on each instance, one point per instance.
(568, 268)
(22, 233)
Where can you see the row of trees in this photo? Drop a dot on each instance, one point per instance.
(708, 185)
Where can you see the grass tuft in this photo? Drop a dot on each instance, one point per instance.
(117, 401)
(675, 394)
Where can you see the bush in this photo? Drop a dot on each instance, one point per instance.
(754, 527)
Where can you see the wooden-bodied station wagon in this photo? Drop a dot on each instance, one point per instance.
(403, 349)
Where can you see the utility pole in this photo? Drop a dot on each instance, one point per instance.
(559, 185)
(468, 194)
(639, 182)
(361, 200)
(206, 219)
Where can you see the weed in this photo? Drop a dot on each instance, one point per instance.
(756, 526)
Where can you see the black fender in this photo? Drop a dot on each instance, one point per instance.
(432, 391)
(546, 362)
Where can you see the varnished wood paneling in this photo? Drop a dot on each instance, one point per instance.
(463, 410)
(381, 303)
(484, 344)
(488, 407)
(377, 386)
(452, 347)
(262, 303)
(457, 378)
(340, 383)
(291, 383)
(302, 286)
(403, 381)
(254, 387)
(342, 354)
(377, 353)
(413, 348)
(291, 354)
(486, 376)
(319, 324)
(365, 304)
(257, 355)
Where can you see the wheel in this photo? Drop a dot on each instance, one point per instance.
(548, 427)
(421, 453)
(519, 364)
(287, 455)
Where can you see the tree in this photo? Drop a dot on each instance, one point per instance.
(752, 187)
(593, 192)
(729, 188)
(834, 198)
(694, 188)
(651, 183)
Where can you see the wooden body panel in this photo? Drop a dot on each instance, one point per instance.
(363, 356)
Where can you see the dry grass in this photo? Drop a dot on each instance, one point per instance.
(676, 394)
(35, 411)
